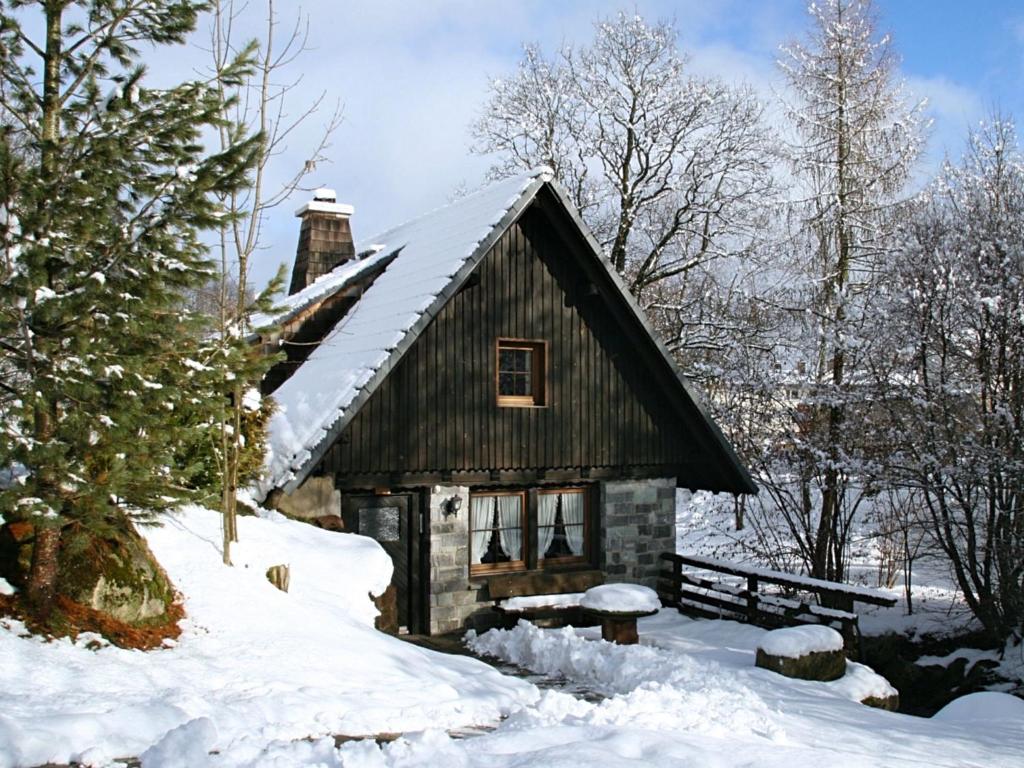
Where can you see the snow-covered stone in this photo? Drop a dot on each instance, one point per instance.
(794, 642)
(863, 684)
(809, 652)
(528, 602)
(983, 707)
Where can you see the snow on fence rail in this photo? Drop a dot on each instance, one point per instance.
(692, 594)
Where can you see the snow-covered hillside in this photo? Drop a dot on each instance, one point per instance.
(263, 678)
(259, 665)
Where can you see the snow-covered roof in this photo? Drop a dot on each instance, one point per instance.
(324, 286)
(428, 254)
(425, 261)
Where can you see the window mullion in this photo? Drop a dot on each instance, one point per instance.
(531, 529)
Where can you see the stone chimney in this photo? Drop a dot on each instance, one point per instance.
(325, 238)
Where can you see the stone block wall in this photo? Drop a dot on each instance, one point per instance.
(452, 599)
(314, 498)
(638, 522)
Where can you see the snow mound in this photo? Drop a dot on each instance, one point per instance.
(794, 642)
(5, 587)
(621, 598)
(985, 706)
(860, 682)
(648, 687)
(253, 667)
(187, 746)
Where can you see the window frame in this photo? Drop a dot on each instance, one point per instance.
(538, 350)
(511, 565)
(531, 560)
(542, 561)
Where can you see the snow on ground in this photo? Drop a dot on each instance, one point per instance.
(253, 666)
(263, 678)
(690, 695)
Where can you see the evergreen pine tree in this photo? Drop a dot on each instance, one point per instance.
(105, 187)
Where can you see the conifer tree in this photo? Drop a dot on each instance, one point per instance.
(105, 188)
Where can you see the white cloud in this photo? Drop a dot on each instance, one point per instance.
(953, 107)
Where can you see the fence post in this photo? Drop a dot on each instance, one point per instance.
(677, 582)
(752, 599)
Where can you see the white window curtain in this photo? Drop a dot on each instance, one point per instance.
(572, 516)
(481, 516)
(510, 513)
(547, 510)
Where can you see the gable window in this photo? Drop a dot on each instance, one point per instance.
(521, 378)
(520, 530)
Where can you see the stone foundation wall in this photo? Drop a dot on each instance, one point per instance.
(638, 522)
(314, 498)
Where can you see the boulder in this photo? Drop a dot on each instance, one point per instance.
(807, 653)
(115, 574)
(316, 497)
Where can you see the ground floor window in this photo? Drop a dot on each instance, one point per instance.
(497, 524)
(561, 524)
(528, 529)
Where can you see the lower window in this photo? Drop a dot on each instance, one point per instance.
(561, 525)
(497, 524)
(519, 530)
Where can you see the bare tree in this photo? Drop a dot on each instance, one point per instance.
(858, 141)
(958, 289)
(259, 106)
(665, 168)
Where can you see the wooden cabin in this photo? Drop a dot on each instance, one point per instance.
(477, 391)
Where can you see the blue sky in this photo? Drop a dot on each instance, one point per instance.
(412, 75)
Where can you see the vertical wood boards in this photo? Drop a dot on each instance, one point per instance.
(437, 411)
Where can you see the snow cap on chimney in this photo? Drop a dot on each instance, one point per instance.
(325, 200)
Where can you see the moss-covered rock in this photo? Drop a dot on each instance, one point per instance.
(115, 574)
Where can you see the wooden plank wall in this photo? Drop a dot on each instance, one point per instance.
(436, 412)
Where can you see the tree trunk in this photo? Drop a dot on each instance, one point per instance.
(42, 575)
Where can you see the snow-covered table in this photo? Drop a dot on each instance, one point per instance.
(618, 606)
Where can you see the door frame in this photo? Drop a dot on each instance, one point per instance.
(416, 532)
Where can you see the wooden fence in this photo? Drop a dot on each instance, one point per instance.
(800, 600)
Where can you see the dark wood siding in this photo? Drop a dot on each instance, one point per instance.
(436, 412)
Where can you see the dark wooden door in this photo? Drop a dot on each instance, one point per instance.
(392, 521)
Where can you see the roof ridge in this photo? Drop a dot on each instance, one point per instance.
(541, 172)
